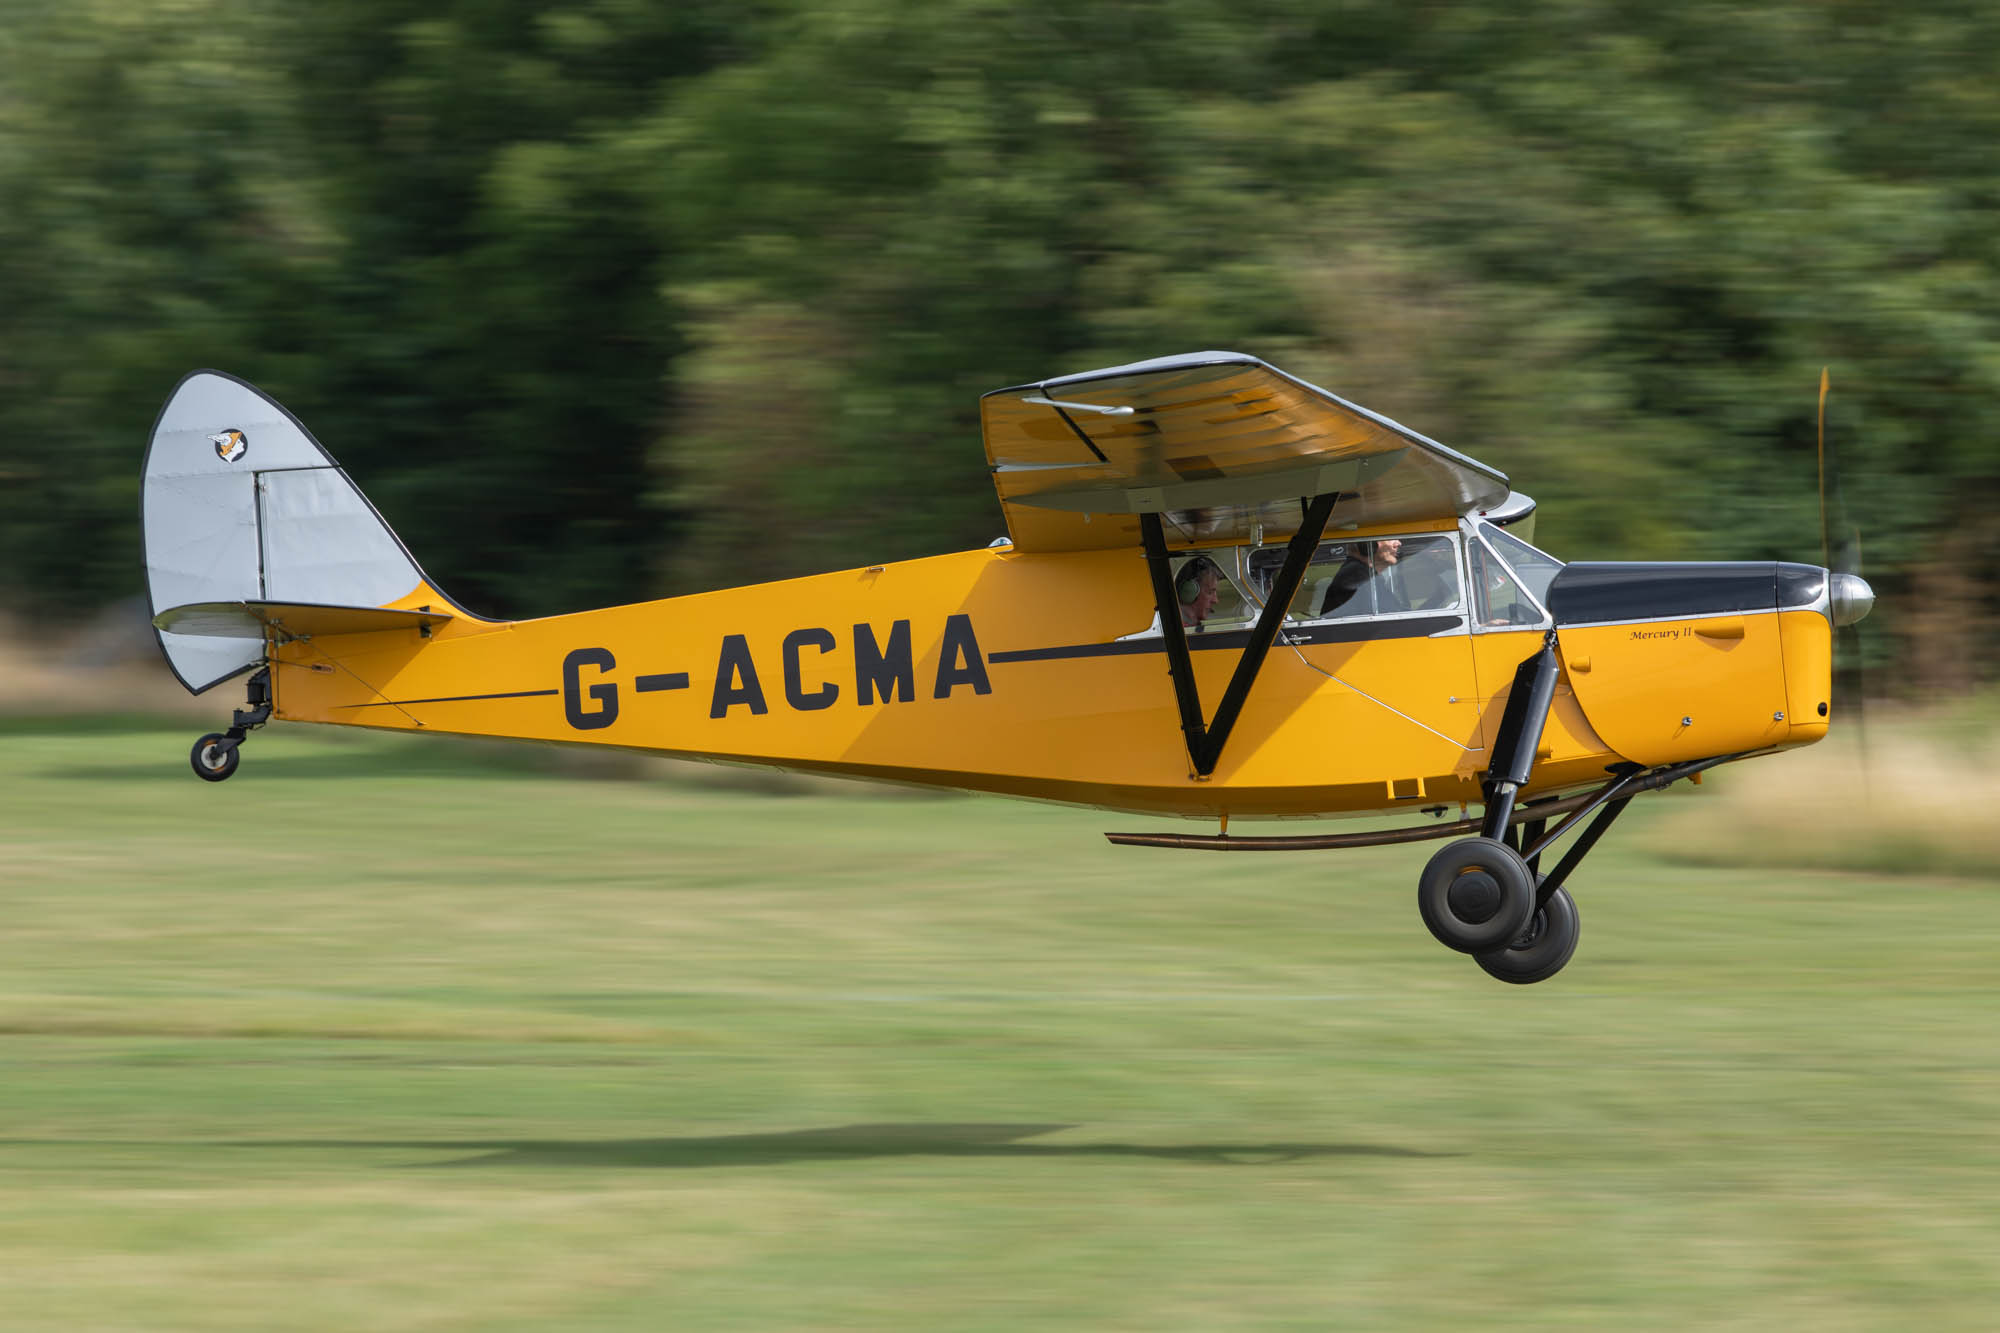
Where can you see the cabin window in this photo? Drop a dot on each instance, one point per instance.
(1205, 593)
(1350, 579)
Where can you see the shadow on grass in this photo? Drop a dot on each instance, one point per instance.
(841, 1143)
(846, 1143)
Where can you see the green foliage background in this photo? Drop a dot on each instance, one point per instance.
(610, 299)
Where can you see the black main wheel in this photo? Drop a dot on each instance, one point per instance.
(1542, 948)
(1476, 895)
(213, 761)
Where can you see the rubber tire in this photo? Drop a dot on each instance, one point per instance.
(218, 772)
(1542, 949)
(1510, 877)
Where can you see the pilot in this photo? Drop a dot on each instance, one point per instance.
(1197, 587)
(1355, 571)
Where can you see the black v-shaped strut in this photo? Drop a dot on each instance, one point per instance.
(1206, 739)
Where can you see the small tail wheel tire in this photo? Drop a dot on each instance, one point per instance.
(212, 761)
(1476, 895)
(1542, 949)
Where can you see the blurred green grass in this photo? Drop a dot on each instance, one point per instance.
(385, 1034)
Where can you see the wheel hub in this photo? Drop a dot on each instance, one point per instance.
(1537, 924)
(1474, 897)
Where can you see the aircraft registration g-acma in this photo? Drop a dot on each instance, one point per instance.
(1363, 604)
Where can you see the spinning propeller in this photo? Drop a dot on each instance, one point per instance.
(1849, 595)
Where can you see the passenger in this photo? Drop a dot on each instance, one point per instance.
(1354, 572)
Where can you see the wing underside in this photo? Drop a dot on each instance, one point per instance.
(1218, 443)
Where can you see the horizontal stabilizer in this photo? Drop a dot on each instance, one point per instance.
(289, 620)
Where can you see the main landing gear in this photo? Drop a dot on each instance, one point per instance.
(1487, 896)
(216, 755)
(1481, 897)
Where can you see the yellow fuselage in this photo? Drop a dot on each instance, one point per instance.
(1003, 671)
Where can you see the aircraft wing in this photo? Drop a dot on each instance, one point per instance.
(1219, 443)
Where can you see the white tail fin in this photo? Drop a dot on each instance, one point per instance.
(241, 504)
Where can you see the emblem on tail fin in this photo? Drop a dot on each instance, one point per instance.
(230, 444)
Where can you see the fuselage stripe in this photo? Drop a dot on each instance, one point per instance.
(1417, 627)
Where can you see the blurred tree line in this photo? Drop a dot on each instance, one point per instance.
(610, 299)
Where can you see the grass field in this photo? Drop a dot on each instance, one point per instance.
(382, 1035)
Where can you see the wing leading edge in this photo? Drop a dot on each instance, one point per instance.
(1219, 444)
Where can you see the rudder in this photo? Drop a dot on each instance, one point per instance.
(241, 504)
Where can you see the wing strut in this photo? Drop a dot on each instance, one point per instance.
(1205, 740)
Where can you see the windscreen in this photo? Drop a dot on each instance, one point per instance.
(1536, 569)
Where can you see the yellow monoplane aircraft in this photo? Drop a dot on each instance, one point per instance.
(1364, 603)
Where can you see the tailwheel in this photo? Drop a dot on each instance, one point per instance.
(1541, 950)
(214, 757)
(1476, 895)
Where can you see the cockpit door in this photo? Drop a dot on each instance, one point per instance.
(1383, 623)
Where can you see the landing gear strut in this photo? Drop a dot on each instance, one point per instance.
(216, 755)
